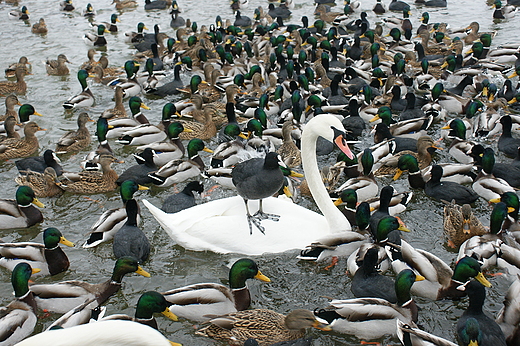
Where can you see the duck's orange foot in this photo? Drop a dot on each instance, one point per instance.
(370, 343)
(332, 263)
(451, 244)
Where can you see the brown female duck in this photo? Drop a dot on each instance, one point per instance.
(12, 148)
(75, 140)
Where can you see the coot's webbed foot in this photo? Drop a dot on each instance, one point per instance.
(256, 221)
(265, 216)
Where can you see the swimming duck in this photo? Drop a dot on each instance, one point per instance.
(177, 171)
(10, 102)
(365, 185)
(103, 332)
(508, 316)
(119, 126)
(506, 143)
(196, 302)
(110, 26)
(266, 326)
(182, 200)
(97, 40)
(204, 128)
(22, 14)
(129, 85)
(123, 4)
(89, 11)
(171, 148)
(119, 110)
(288, 149)
(10, 130)
(13, 148)
(491, 334)
(57, 67)
(83, 99)
(460, 224)
(360, 316)
(409, 335)
(75, 140)
(156, 5)
(113, 219)
(129, 240)
(149, 303)
(40, 27)
(460, 148)
(486, 184)
(66, 5)
(23, 62)
(47, 257)
(93, 181)
(64, 296)
(19, 317)
(18, 87)
(20, 213)
(146, 133)
(44, 184)
(505, 12)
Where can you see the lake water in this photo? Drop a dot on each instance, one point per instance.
(294, 284)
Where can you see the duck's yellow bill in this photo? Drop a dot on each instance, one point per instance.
(66, 242)
(142, 272)
(38, 203)
(262, 277)
(170, 315)
(480, 278)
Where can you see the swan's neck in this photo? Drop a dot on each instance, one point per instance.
(336, 220)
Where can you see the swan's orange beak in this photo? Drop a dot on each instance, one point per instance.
(343, 146)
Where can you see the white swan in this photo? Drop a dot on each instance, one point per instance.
(221, 226)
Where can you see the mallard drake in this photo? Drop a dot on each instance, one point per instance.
(10, 102)
(177, 171)
(122, 4)
(129, 240)
(379, 315)
(490, 334)
(89, 11)
(505, 12)
(508, 316)
(409, 335)
(40, 27)
(23, 117)
(83, 99)
(18, 87)
(198, 301)
(147, 133)
(112, 26)
(75, 140)
(486, 248)
(129, 85)
(111, 220)
(460, 224)
(64, 296)
(171, 148)
(18, 319)
(44, 184)
(66, 5)
(512, 201)
(93, 181)
(22, 14)
(149, 303)
(40, 163)
(97, 40)
(91, 160)
(308, 226)
(13, 148)
(20, 213)
(133, 37)
(183, 199)
(486, 185)
(119, 126)
(57, 67)
(506, 143)
(266, 326)
(365, 185)
(104, 332)
(47, 257)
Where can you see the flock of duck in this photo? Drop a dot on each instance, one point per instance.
(271, 94)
